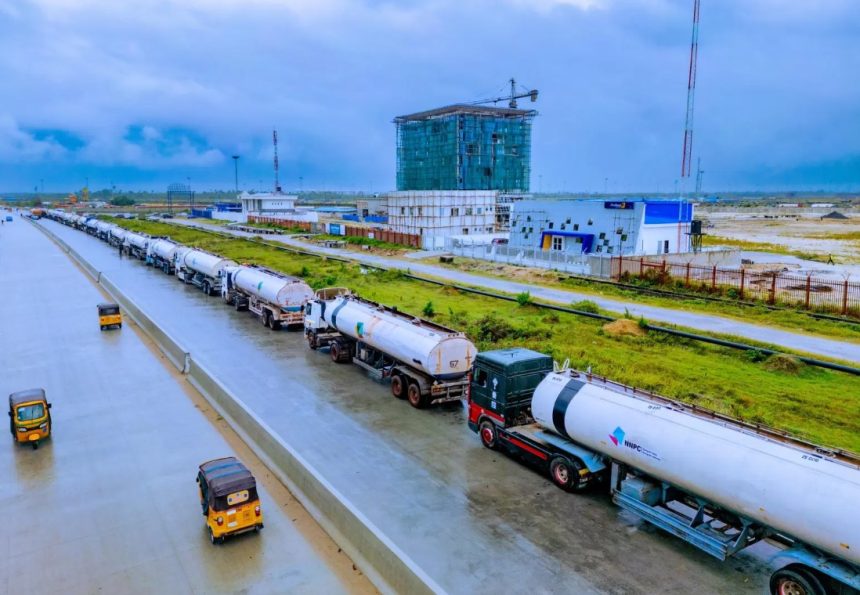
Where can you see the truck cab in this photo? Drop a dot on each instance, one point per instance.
(502, 385)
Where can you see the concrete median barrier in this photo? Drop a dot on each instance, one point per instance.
(390, 570)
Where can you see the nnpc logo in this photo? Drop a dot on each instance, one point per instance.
(617, 436)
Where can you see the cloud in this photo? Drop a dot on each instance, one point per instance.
(20, 145)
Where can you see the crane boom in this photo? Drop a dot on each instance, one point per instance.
(512, 98)
(687, 158)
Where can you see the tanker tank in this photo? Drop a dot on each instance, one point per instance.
(163, 249)
(438, 351)
(209, 265)
(799, 490)
(283, 290)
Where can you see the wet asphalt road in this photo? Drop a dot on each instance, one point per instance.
(475, 520)
(796, 341)
(109, 504)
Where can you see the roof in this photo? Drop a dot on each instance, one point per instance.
(24, 396)
(227, 475)
(506, 357)
(461, 108)
(106, 305)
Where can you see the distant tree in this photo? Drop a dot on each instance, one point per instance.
(122, 201)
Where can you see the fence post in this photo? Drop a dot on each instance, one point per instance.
(845, 298)
(687, 276)
(743, 274)
(808, 290)
(641, 265)
(714, 278)
(772, 299)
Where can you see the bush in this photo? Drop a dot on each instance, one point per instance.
(122, 201)
(304, 272)
(428, 310)
(755, 355)
(586, 306)
(524, 298)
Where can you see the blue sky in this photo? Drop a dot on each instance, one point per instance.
(141, 94)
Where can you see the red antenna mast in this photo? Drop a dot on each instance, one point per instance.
(687, 159)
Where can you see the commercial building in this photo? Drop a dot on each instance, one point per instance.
(436, 215)
(634, 226)
(464, 147)
(274, 206)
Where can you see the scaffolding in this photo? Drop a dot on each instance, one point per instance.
(463, 147)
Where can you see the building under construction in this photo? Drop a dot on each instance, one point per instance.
(465, 147)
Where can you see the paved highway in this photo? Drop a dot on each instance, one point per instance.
(795, 341)
(475, 520)
(109, 504)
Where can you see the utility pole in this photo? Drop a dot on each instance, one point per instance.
(236, 171)
(699, 175)
(687, 157)
(275, 143)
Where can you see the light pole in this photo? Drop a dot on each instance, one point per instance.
(236, 171)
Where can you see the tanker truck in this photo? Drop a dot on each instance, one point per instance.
(103, 229)
(426, 362)
(276, 298)
(136, 244)
(91, 226)
(717, 482)
(202, 269)
(117, 235)
(161, 254)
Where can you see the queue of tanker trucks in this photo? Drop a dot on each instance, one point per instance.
(716, 482)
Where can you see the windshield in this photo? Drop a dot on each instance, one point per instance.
(109, 311)
(31, 412)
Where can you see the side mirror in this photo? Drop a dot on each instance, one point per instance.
(49, 405)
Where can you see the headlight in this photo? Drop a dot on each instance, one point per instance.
(43, 426)
(22, 430)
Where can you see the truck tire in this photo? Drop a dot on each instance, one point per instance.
(264, 318)
(795, 581)
(334, 351)
(398, 386)
(207, 289)
(275, 324)
(565, 474)
(413, 394)
(489, 435)
(312, 342)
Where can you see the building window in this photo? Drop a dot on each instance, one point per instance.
(665, 246)
(420, 211)
(523, 230)
(623, 237)
(402, 210)
(480, 210)
(528, 219)
(602, 235)
(557, 243)
(568, 221)
(468, 210)
(455, 212)
(466, 230)
(550, 224)
(590, 222)
(575, 226)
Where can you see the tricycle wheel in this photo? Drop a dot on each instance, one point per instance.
(35, 445)
(213, 539)
(101, 327)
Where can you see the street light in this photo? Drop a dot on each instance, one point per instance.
(236, 171)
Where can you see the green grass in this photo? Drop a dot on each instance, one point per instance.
(818, 404)
(362, 241)
(786, 318)
(711, 240)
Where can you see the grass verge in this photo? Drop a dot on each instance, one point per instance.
(818, 404)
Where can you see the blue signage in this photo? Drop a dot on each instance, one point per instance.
(618, 204)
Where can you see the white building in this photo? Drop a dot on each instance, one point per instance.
(274, 206)
(438, 214)
(630, 227)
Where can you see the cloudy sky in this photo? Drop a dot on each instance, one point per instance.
(140, 94)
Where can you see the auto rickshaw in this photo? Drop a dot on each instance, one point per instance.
(109, 315)
(228, 496)
(29, 416)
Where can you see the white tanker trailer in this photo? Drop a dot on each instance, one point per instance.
(117, 235)
(79, 222)
(161, 254)
(91, 226)
(426, 362)
(103, 229)
(136, 244)
(202, 269)
(276, 298)
(714, 481)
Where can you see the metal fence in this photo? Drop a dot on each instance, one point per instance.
(515, 255)
(812, 293)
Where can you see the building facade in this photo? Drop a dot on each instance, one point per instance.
(463, 147)
(628, 227)
(275, 206)
(439, 214)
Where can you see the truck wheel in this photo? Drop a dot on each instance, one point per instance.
(276, 324)
(312, 342)
(413, 394)
(489, 436)
(398, 386)
(264, 318)
(795, 581)
(565, 474)
(334, 351)
(206, 288)
(238, 303)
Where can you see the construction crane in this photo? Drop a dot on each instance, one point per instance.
(687, 159)
(512, 98)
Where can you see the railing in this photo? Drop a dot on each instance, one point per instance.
(515, 255)
(811, 293)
